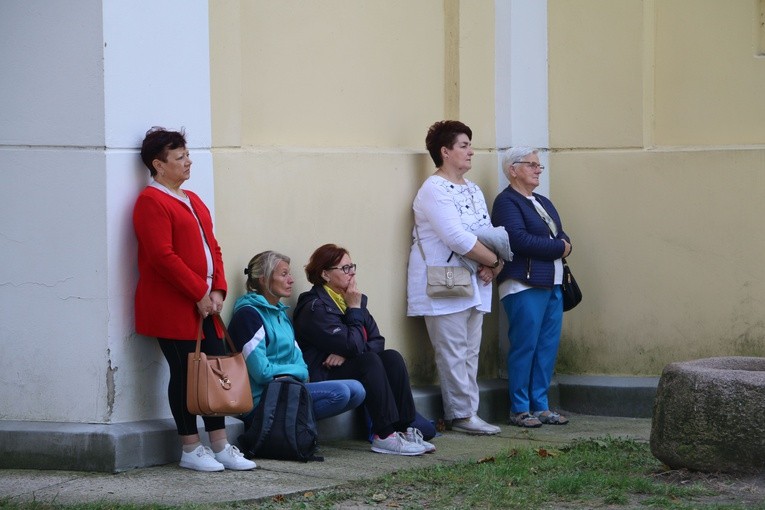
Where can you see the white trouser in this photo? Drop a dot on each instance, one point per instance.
(456, 339)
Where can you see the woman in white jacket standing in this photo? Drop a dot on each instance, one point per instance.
(449, 210)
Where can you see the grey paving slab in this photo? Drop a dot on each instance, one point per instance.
(345, 461)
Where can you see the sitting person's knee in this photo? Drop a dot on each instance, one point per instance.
(369, 361)
(392, 359)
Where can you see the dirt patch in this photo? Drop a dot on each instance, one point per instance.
(744, 490)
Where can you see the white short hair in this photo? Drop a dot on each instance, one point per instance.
(513, 155)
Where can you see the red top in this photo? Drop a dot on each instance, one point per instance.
(172, 265)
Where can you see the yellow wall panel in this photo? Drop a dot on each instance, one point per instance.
(226, 72)
(710, 83)
(667, 247)
(341, 73)
(595, 78)
(477, 70)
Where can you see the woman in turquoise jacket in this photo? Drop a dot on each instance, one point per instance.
(261, 329)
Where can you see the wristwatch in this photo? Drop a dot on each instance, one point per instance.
(496, 264)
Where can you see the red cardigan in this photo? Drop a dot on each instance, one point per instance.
(172, 265)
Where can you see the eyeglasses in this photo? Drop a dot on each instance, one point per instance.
(532, 164)
(347, 269)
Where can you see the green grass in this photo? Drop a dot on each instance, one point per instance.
(595, 473)
(587, 474)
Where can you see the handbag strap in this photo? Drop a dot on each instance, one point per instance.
(422, 252)
(419, 244)
(216, 317)
(552, 233)
(542, 212)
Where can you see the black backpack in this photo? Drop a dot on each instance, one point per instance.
(283, 426)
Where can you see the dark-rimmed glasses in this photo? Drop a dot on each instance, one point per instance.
(532, 164)
(347, 269)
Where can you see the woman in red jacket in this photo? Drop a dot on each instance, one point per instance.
(180, 280)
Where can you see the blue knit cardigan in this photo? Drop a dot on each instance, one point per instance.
(534, 251)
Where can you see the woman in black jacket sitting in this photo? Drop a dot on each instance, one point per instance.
(340, 340)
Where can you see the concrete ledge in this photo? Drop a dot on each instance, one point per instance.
(629, 397)
(427, 400)
(93, 447)
(351, 424)
(122, 446)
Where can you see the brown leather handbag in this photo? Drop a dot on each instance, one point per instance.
(218, 385)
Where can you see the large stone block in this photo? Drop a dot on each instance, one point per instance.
(707, 415)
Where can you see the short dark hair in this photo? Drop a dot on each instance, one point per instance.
(157, 143)
(324, 257)
(444, 133)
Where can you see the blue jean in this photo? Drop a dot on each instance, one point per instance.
(331, 398)
(535, 317)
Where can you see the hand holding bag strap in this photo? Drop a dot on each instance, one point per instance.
(200, 334)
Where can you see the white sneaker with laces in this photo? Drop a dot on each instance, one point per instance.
(201, 459)
(414, 435)
(232, 458)
(396, 444)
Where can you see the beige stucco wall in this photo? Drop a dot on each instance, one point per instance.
(319, 117)
(657, 167)
(657, 156)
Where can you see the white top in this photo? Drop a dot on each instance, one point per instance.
(446, 215)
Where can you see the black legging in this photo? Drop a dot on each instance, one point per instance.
(386, 381)
(176, 353)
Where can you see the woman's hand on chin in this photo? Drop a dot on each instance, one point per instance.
(352, 295)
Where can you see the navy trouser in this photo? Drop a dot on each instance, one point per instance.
(386, 380)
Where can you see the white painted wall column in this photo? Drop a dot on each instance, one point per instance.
(81, 83)
(521, 97)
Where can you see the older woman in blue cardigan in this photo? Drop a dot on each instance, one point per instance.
(530, 287)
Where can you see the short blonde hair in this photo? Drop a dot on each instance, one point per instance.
(263, 266)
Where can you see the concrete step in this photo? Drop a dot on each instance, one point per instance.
(628, 397)
(121, 446)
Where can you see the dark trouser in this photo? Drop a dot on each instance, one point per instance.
(176, 353)
(386, 381)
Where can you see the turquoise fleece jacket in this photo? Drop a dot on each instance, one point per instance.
(264, 334)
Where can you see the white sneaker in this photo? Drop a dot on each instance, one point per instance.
(476, 426)
(396, 444)
(232, 458)
(201, 459)
(414, 435)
